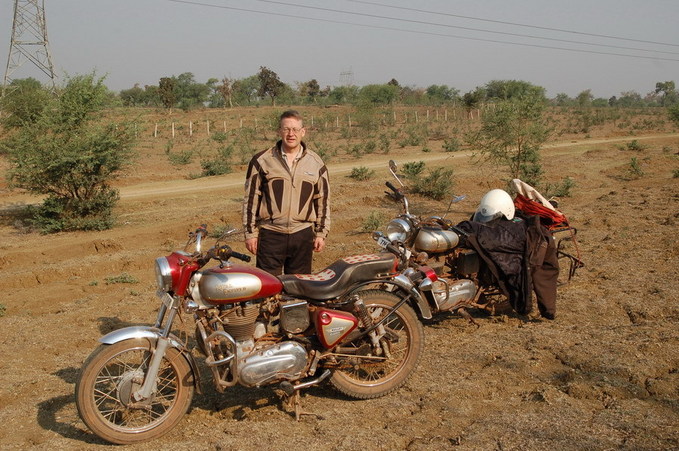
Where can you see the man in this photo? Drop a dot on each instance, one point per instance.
(286, 215)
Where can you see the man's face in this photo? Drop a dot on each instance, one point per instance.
(291, 131)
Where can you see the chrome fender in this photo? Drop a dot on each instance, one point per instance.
(152, 334)
(403, 283)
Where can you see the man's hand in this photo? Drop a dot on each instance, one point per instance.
(319, 244)
(251, 245)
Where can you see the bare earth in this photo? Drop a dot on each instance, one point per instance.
(604, 375)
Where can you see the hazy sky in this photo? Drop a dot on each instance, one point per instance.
(337, 41)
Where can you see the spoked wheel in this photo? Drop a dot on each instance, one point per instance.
(110, 377)
(373, 373)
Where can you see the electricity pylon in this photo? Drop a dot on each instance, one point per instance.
(29, 40)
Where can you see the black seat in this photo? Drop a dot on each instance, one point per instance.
(336, 278)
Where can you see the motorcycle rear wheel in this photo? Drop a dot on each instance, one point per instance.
(364, 378)
(109, 377)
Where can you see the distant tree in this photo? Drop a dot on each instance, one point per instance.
(310, 89)
(473, 99)
(343, 94)
(585, 98)
(510, 89)
(269, 84)
(600, 102)
(442, 93)
(134, 96)
(23, 102)
(226, 91)
(166, 91)
(511, 135)
(378, 94)
(70, 156)
(562, 99)
(668, 93)
(394, 82)
(190, 94)
(245, 90)
(630, 99)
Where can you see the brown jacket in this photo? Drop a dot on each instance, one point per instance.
(284, 199)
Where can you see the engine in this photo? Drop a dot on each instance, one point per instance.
(255, 328)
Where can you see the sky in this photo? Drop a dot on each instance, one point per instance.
(606, 46)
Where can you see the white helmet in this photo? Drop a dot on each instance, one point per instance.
(494, 204)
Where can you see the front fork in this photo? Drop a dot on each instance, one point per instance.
(150, 381)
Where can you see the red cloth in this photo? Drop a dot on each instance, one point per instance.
(552, 219)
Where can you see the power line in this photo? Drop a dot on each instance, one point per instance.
(422, 22)
(512, 23)
(232, 8)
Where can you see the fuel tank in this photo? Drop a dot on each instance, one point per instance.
(435, 240)
(236, 283)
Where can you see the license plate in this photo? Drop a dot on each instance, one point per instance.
(383, 241)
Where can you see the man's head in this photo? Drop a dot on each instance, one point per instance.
(291, 129)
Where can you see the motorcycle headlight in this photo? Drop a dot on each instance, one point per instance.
(163, 274)
(399, 230)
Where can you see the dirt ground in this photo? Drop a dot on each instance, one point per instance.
(603, 375)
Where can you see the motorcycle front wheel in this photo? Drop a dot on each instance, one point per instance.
(113, 373)
(369, 375)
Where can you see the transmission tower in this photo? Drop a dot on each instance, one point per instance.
(29, 40)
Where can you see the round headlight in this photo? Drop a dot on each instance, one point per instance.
(399, 230)
(163, 274)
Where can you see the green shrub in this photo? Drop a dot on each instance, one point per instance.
(451, 144)
(3, 310)
(635, 168)
(372, 222)
(635, 145)
(675, 174)
(181, 158)
(361, 173)
(562, 189)
(437, 185)
(412, 169)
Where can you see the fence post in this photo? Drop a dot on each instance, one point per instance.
(208, 127)
(155, 131)
(173, 130)
(190, 128)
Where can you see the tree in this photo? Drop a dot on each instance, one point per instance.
(190, 93)
(24, 102)
(310, 89)
(585, 98)
(442, 93)
(378, 94)
(510, 89)
(245, 90)
(269, 84)
(562, 99)
(668, 91)
(473, 99)
(166, 91)
(70, 155)
(226, 91)
(511, 135)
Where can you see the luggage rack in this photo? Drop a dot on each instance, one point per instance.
(574, 261)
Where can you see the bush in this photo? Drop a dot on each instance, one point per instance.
(413, 169)
(71, 157)
(372, 222)
(122, 278)
(361, 173)
(635, 145)
(181, 158)
(437, 185)
(451, 144)
(562, 189)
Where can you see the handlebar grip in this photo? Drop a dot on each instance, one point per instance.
(239, 256)
(392, 187)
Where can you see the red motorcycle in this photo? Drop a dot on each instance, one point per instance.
(254, 329)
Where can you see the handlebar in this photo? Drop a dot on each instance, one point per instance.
(223, 253)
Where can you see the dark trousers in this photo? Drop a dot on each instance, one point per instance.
(282, 253)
